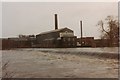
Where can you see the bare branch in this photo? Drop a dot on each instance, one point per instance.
(102, 25)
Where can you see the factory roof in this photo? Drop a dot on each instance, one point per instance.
(57, 30)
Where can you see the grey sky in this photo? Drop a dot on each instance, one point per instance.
(34, 18)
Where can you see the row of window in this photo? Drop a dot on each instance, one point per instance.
(68, 39)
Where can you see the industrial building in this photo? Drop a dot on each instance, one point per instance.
(63, 37)
(57, 38)
(86, 42)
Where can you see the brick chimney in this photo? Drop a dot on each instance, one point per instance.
(56, 22)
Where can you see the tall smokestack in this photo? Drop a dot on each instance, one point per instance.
(81, 31)
(56, 22)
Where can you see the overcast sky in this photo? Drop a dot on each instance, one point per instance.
(36, 17)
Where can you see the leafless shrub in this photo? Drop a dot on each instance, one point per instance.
(5, 72)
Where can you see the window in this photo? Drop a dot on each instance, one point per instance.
(68, 39)
(64, 39)
(73, 39)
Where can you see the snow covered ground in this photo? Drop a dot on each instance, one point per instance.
(36, 63)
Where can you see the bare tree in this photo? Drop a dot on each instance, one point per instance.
(109, 30)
